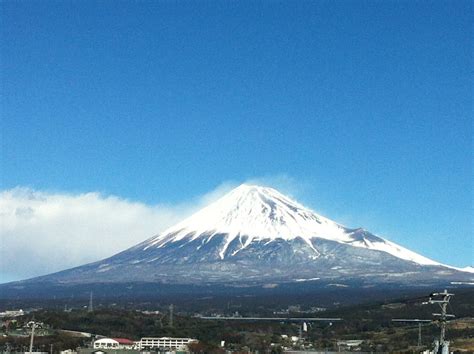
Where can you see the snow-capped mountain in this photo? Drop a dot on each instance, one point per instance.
(255, 235)
(252, 213)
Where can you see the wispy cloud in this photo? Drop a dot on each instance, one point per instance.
(284, 183)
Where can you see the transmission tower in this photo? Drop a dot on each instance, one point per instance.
(91, 307)
(416, 320)
(171, 315)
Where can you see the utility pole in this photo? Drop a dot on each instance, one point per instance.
(33, 325)
(442, 299)
(419, 335)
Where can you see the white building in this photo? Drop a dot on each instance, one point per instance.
(351, 344)
(12, 313)
(165, 343)
(113, 343)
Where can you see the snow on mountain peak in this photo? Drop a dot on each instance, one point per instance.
(259, 212)
(263, 213)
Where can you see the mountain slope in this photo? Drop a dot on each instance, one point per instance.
(256, 234)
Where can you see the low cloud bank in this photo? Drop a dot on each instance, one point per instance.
(44, 232)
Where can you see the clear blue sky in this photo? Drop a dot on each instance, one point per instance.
(368, 104)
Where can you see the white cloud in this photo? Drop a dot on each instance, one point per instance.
(283, 183)
(43, 232)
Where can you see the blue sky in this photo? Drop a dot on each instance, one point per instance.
(365, 106)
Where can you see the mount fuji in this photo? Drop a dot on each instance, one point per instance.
(256, 235)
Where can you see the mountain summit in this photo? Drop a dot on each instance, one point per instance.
(255, 235)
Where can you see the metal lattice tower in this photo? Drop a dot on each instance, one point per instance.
(416, 320)
(171, 315)
(91, 307)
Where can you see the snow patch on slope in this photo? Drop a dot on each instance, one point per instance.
(465, 269)
(395, 250)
